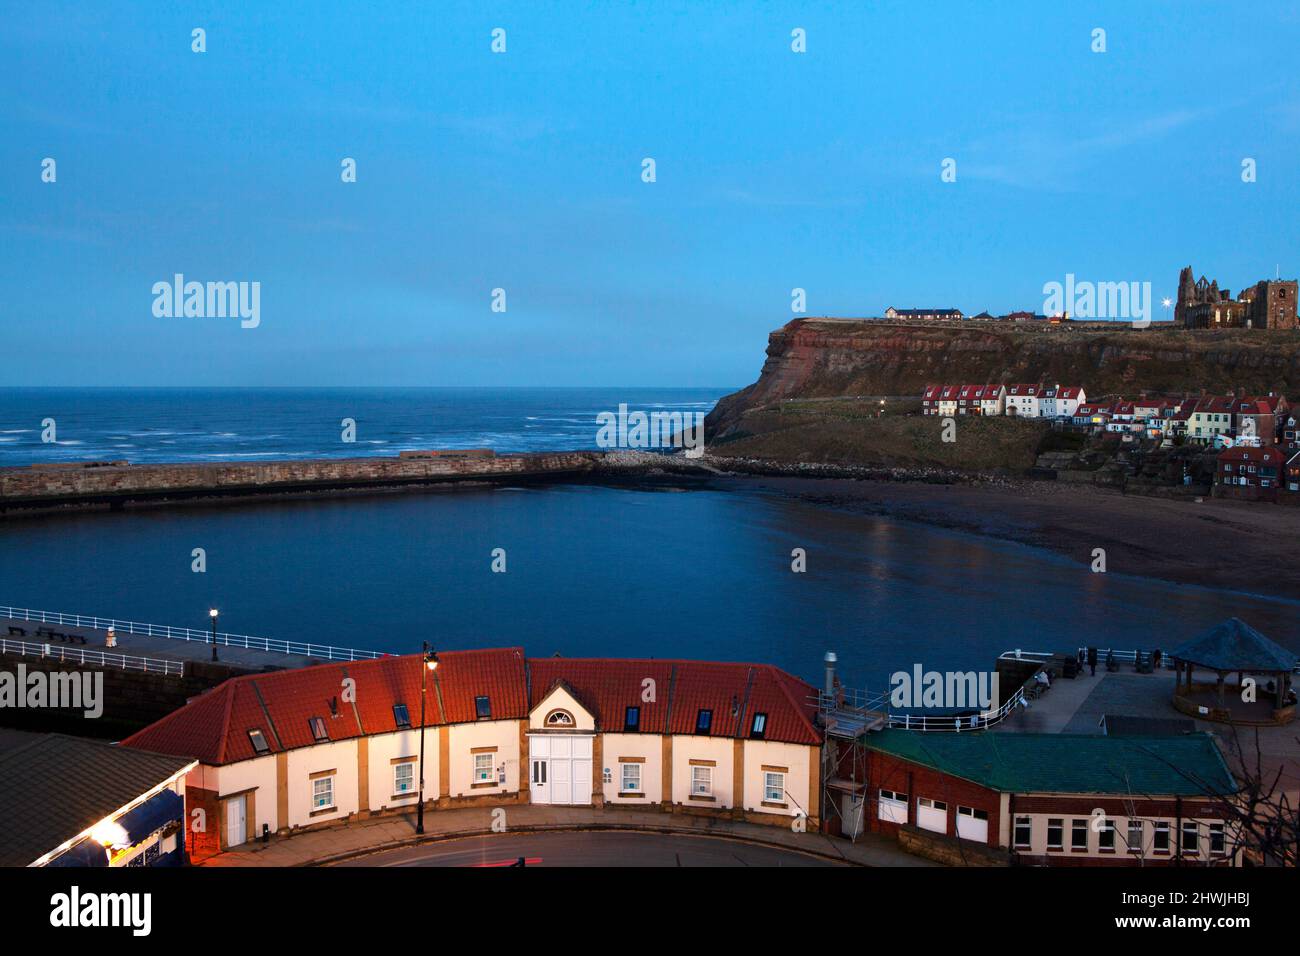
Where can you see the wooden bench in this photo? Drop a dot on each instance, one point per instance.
(17, 631)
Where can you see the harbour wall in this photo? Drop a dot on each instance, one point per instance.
(117, 484)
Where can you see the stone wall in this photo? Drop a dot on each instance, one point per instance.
(949, 850)
(131, 700)
(47, 486)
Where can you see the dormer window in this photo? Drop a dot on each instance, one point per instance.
(318, 731)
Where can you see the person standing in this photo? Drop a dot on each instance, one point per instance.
(1092, 661)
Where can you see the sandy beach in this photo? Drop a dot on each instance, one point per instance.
(1215, 543)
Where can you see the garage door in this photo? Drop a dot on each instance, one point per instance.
(559, 769)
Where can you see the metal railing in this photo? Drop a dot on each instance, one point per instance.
(1126, 657)
(847, 700)
(956, 724)
(191, 634)
(82, 655)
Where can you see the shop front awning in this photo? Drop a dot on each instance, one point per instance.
(151, 816)
(85, 853)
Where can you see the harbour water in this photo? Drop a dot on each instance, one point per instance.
(593, 570)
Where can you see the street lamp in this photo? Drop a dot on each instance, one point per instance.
(429, 660)
(213, 614)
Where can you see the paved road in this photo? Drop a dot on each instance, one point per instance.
(589, 848)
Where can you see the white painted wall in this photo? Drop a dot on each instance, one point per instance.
(649, 746)
(502, 734)
(257, 774)
(340, 756)
(402, 743)
(773, 753)
(688, 747)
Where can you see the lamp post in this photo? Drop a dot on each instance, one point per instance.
(428, 662)
(213, 614)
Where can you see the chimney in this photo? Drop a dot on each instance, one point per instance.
(830, 660)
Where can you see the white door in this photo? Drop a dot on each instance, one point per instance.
(235, 820)
(560, 769)
(973, 824)
(932, 815)
(562, 779)
(541, 784)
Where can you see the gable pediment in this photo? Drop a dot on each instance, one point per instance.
(560, 709)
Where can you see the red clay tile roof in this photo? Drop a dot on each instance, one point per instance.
(733, 692)
(214, 727)
(1258, 456)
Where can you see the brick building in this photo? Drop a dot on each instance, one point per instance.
(1253, 474)
(1055, 799)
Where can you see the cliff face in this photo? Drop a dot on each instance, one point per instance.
(822, 358)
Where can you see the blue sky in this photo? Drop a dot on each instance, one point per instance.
(522, 171)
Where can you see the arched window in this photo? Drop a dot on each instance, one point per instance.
(559, 718)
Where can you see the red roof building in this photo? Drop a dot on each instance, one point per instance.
(1254, 474)
(333, 742)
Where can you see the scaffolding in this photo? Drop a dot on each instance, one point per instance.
(847, 715)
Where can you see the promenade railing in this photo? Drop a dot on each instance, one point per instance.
(85, 655)
(306, 649)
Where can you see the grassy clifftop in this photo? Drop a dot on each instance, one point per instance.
(853, 432)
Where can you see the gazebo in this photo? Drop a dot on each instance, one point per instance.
(1233, 646)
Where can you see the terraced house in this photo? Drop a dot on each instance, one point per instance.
(321, 745)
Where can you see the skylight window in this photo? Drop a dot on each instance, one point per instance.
(703, 721)
(318, 731)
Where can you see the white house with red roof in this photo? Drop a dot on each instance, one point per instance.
(1060, 401)
(1024, 400)
(948, 400)
(321, 745)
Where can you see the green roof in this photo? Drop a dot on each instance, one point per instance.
(1187, 765)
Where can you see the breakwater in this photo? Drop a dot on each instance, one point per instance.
(118, 484)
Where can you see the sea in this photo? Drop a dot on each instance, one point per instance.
(690, 569)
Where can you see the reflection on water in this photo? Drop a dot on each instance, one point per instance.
(603, 571)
